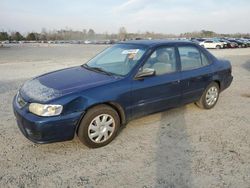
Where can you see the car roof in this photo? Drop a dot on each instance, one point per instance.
(153, 43)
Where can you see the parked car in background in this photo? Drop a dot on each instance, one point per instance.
(127, 80)
(239, 43)
(195, 40)
(210, 43)
(245, 41)
(5, 42)
(198, 39)
(229, 44)
(87, 42)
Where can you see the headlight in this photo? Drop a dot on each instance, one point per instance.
(45, 109)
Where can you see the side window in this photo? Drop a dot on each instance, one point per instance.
(190, 57)
(162, 60)
(204, 59)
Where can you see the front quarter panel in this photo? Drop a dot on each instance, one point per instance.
(117, 92)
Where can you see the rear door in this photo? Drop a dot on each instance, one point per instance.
(196, 72)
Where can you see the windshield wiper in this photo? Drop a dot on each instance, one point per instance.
(97, 69)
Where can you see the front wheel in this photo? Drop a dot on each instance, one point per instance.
(218, 47)
(99, 126)
(209, 97)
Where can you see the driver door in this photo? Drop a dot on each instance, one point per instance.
(160, 91)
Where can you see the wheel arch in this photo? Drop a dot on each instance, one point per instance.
(119, 110)
(217, 79)
(116, 106)
(218, 82)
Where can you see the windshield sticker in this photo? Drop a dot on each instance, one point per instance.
(130, 51)
(131, 56)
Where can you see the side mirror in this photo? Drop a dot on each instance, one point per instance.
(145, 73)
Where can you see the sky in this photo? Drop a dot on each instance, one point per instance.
(159, 16)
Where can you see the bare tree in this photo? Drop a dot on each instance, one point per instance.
(91, 33)
(122, 33)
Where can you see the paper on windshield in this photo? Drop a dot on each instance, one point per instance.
(130, 51)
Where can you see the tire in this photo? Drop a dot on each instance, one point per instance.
(100, 121)
(205, 102)
(218, 47)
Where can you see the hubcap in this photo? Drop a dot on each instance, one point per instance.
(101, 128)
(211, 96)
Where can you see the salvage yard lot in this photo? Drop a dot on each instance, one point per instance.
(182, 147)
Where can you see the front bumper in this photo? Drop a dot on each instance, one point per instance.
(46, 129)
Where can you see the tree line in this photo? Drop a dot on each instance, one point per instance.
(90, 34)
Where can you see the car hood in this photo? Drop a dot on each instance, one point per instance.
(62, 82)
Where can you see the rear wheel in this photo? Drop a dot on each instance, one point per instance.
(99, 126)
(209, 97)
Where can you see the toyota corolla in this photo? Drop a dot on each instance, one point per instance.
(125, 81)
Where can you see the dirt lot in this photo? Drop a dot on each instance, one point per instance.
(183, 147)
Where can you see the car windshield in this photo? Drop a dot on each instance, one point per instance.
(118, 59)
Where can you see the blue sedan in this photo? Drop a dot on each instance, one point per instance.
(125, 81)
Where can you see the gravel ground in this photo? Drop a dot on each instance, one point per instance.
(182, 147)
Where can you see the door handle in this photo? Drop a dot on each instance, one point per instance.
(196, 78)
(199, 77)
(176, 82)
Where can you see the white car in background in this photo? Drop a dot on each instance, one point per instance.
(5, 42)
(213, 44)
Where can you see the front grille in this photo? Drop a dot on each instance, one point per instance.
(20, 101)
